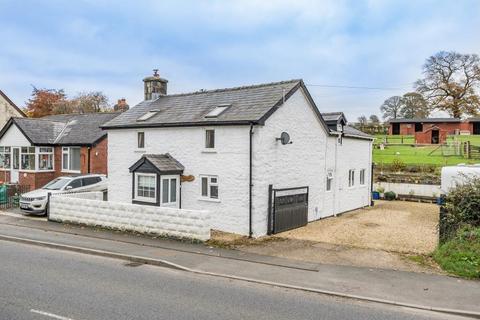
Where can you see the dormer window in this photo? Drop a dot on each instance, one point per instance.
(148, 115)
(218, 110)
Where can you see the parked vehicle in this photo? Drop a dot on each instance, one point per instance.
(35, 202)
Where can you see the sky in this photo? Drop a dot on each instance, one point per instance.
(333, 45)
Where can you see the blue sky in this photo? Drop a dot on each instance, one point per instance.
(111, 45)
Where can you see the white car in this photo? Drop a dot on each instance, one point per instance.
(35, 202)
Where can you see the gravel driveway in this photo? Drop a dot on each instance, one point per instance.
(407, 227)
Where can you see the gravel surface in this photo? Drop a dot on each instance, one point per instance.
(407, 227)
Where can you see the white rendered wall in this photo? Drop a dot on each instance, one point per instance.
(14, 138)
(186, 144)
(427, 190)
(181, 223)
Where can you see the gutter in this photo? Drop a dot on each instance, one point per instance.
(250, 184)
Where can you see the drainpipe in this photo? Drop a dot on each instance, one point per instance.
(250, 231)
(88, 159)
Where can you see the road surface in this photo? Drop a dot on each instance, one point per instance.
(42, 283)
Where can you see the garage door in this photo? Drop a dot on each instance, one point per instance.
(288, 208)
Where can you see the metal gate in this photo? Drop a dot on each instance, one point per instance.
(288, 208)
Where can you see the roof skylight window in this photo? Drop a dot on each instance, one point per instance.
(148, 115)
(218, 110)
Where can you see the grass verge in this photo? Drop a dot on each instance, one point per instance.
(461, 254)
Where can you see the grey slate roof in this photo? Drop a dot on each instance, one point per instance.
(351, 131)
(68, 129)
(331, 116)
(164, 162)
(248, 104)
(425, 120)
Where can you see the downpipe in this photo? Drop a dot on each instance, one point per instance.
(250, 185)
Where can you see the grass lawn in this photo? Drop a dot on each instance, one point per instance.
(461, 255)
(417, 155)
(474, 139)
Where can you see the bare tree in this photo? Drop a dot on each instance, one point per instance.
(451, 82)
(391, 107)
(374, 119)
(414, 106)
(86, 102)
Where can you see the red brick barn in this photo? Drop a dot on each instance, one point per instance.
(433, 130)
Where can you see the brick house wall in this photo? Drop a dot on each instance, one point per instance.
(425, 136)
(98, 164)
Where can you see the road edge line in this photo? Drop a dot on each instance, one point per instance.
(171, 265)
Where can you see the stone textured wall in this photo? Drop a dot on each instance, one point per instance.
(7, 111)
(181, 223)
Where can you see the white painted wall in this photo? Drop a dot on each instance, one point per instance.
(7, 111)
(427, 190)
(229, 163)
(305, 163)
(193, 224)
(14, 138)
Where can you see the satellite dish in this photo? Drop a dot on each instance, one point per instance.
(284, 138)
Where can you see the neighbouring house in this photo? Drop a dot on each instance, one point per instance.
(33, 151)
(8, 109)
(433, 130)
(259, 158)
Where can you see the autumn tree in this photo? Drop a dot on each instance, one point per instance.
(414, 106)
(44, 101)
(451, 82)
(391, 107)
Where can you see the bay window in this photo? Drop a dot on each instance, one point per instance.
(146, 187)
(45, 158)
(5, 157)
(71, 159)
(27, 158)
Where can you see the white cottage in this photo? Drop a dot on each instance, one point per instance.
(260, 158)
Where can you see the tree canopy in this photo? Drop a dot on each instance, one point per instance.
(414, 106)
(451, 82)
(391, 107)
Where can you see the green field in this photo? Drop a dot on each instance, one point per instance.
(417, 155)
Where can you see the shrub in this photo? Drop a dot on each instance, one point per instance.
(461, 254)
(381, 189)
(463, 203)
(390, 195)
(398, 165)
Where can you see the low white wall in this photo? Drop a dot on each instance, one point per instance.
(182, 223)
(97, 195)
(427, 190)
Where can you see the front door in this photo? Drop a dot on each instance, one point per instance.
(170, 191)
(15, 165)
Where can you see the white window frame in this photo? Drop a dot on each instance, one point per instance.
(208, 197)
(138, 136)
(328, 188)
(4, 153)
(205, 147)
(351, 178)
(362, 176)
(169, 178)
(69, 153)
(21, 154)
(136, 197)
(51, 154)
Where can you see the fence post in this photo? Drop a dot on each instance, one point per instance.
(270, 213)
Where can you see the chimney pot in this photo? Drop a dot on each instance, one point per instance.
(154, 86)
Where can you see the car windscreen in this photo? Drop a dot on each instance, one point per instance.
(56, 184)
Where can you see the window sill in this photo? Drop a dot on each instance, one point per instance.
(209, 200)
(71, 171)
(139, 151)
(209, 151)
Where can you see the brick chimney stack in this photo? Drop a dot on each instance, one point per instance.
(121, 105)
(154, 86)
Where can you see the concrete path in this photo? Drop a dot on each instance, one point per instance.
(433, 292)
